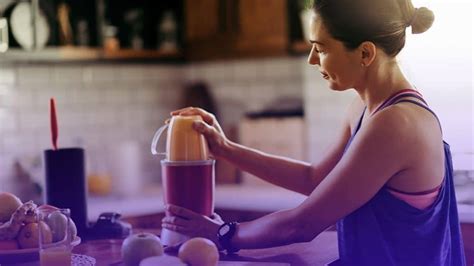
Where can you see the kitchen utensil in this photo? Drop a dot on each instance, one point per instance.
(183, 142)
(23, 30)
(65, 184)
(54, 123)
(187, 174)
(3, 35)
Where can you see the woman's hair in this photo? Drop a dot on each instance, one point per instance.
(382, 22)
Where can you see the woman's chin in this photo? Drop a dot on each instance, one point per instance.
(335, 87)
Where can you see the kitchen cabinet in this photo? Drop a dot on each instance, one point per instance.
(102, 30)
(235, 28)
(133, 30)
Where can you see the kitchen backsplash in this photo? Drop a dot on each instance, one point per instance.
(102, 106)
(109, 108)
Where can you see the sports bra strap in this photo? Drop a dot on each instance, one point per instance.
(400, 94)
(422, 106)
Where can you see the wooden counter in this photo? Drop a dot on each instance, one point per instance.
(321, 251)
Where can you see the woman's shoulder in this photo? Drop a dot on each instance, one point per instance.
(410, 116)
(409, 124)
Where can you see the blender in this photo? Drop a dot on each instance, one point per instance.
(187, 172)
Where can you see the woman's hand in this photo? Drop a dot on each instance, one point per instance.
(191, 224)
(210, 128)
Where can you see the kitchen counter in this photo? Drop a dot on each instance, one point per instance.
(230, 197)
(321, 251)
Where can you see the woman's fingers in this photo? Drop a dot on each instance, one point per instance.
(175, 220)
(203, 128)
(177, 112)
(182, 212)
(176, 228)
(206, 116)
(217, 217)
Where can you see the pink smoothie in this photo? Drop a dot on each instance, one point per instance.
(189, 185)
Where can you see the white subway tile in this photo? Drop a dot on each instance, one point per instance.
(8, 121)
(170, 96)
(29, 98)
(218, 71)
(116, 96)
(245, 71)
(147, 96)
(6, 169)
(18, 144)
(135, 73)
(100, 73)
(67, 74)
(272, 69)
(164, 73)
(34, 74)
(71, 119)
(7, 75)
(89, 96)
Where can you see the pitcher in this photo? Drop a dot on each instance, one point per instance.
(183, 142)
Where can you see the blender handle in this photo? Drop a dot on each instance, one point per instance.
(155, 140)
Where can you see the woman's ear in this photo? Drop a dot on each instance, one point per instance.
(368, 51)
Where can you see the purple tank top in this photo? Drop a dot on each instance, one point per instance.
(387, 231)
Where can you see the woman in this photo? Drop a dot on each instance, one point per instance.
(386, 181)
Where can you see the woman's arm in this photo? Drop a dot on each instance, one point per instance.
(376, 154)
(295, 175)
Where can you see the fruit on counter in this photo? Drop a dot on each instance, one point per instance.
(199, 251)
(29, 235)
(57, 222)
(25, 214)
(9, 203)
(8, 244)
(99, 184)
(47, 208)
(139, 246)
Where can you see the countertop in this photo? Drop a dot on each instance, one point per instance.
(230, 197)
(321, 251)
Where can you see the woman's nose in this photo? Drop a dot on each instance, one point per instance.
(313, 58)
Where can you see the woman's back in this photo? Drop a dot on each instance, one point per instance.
(389, 231)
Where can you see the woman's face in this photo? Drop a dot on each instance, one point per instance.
(338, 65)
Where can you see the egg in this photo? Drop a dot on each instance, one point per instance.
(199, 251)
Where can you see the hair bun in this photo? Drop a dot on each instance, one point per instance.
(422, 20)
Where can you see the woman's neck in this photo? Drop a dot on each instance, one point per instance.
(382, 80)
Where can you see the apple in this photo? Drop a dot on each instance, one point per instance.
(8, 244)
(9, 203)
(199, 251)
(139, 246)
(29, 235)
(57, 222)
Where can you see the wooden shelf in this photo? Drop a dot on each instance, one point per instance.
(139, 54)
(76, 54)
